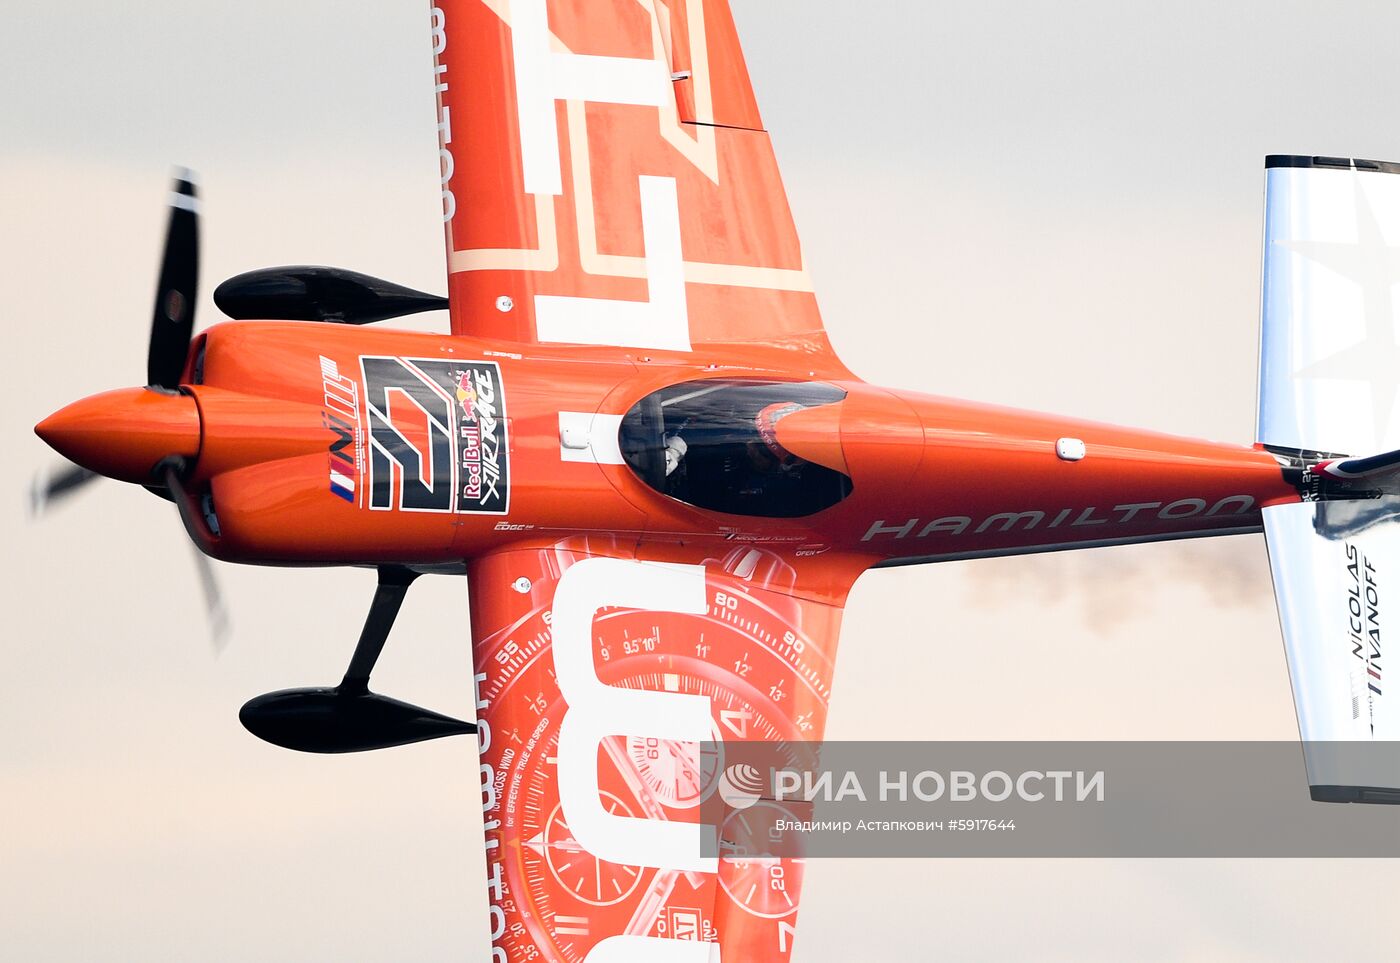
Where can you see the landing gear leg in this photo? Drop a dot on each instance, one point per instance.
(350, 718)
(388, 597)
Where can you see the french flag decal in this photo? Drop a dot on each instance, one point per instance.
(343, 486)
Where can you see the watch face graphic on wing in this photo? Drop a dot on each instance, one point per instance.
(765, 886)
(590, 879)
(678, 774)
(764, 681)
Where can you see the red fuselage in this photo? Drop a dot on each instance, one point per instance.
(325, 444)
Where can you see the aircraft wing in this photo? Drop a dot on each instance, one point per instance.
(601, 668)
(606, 179)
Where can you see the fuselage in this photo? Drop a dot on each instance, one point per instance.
(325, 444)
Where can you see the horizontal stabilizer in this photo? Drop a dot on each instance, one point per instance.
(1336, 577)
(1378, 473)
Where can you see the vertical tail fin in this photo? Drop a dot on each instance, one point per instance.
(1329, 383)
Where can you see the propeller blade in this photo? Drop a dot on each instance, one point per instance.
(214, 610)
(201, 539)
(52, 485)
(173, 322)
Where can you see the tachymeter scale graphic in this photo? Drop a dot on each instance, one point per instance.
(765, 886)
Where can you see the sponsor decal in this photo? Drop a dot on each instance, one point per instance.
(685, 923)
(437, 435)
(1364, 631)
(341, 417)
(1068, 517)
(444, 114)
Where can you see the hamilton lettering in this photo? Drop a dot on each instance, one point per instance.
(953, 525)
(1008, 520)
(444, 125)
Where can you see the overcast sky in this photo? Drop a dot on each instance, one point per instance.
(1048, 205)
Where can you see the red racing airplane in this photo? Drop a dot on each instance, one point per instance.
(660, 482)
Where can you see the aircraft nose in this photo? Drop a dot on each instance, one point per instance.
(123, 434)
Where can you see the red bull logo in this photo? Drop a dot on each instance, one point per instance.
(466, 395)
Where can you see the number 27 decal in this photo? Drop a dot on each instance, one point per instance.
(437, 435)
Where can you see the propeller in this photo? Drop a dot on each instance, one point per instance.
(172, 328)
(172, 324)
(57, 483)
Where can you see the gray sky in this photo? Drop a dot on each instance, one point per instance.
(1048, 205)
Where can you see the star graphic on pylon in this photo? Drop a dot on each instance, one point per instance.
(1375, 266)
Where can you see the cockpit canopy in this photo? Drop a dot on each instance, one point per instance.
(714, 445)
